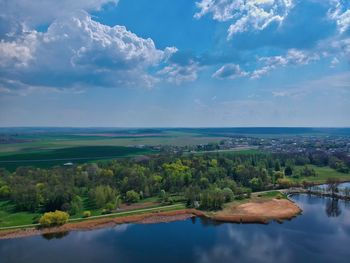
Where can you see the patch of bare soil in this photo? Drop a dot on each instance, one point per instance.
(259, 211)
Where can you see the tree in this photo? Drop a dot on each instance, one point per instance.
(256, 184)
(277, 166)
(307, 171)
(288, 171)
(228, 194)
(192, 195)
(285, 182)
(332, 185)
(132, 197)
(76, 205)
(4, 192)
(163, 196)
(56, 218)
(103, 195)
(212, 199)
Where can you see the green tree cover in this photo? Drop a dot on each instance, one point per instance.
(208, 180)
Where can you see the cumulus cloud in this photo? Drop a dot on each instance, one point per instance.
(78, 51)
(229, 71)
(34, 13)
(245, 15)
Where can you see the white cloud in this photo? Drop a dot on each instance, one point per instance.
(292, 57)
(340, 13)
(76, 50)
(35, 12)
(178, 74)
(229, 71)
(246, 14)
(334, 62)
(19, 52)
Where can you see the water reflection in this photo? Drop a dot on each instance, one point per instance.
(57, 235)
(332, 207)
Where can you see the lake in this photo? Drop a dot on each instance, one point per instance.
(321, 234)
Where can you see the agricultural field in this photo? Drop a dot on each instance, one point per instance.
(46, 158)
(55, 140)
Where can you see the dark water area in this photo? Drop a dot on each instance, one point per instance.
(320, 234)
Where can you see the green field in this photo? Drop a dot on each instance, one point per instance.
(323, 173)
(40, 142)
(8, 216)
(48, 158)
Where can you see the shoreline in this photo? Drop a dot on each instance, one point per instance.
(240, 214)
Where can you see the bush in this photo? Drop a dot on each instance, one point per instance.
(285, 183)
(4, 191)
(132, 197)
(56, 218)
(86, 214)
(279, 196)
(110, 207)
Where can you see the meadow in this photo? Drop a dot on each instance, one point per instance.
(322, 174)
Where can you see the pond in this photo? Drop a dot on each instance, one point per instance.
(320, 234)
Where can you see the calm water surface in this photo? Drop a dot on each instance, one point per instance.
(321, 234)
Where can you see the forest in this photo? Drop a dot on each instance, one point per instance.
(203, 181)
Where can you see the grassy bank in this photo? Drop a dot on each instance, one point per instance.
(322, 174)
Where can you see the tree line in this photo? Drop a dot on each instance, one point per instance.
(206, 181)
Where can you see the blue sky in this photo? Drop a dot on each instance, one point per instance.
(175, 63)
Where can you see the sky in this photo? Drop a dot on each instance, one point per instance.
(175, 63)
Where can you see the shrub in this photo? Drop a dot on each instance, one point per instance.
(285, 183)
(110, 207)
(86, 214)
(56, 218)
(4, 191)
(132, 197)
(279, 196)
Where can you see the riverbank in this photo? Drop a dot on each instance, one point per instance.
(254, 210)
(146, 218)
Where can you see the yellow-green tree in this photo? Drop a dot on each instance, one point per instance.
(56, 218)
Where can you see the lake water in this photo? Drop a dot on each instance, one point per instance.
(321, 234)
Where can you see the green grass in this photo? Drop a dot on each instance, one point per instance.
(272, 194)
(323, 173)
(10, 218)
